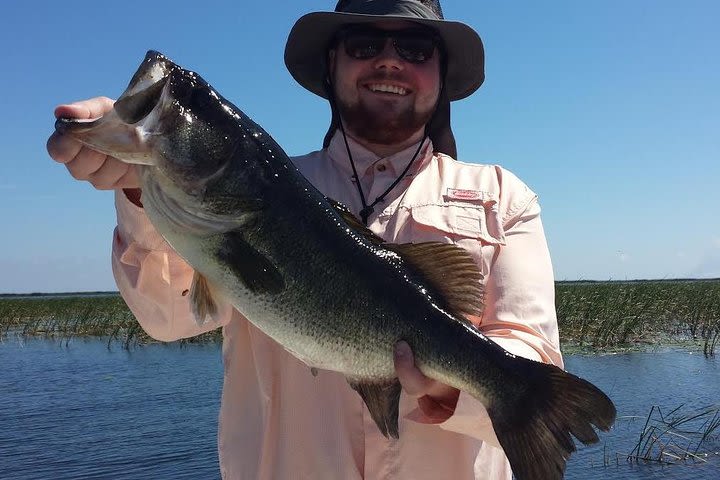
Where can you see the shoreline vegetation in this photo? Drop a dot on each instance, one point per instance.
(593, 316)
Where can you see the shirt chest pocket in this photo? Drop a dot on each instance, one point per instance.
(475, 227)
(481, 222)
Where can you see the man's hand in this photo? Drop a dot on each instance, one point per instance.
(102, 171)
(436, 400)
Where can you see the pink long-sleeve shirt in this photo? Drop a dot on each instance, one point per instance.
(277, 420)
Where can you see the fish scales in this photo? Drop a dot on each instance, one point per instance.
(303, 270)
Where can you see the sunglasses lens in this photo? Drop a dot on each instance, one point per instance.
(364, 45)
(412, 45)
(415, 48)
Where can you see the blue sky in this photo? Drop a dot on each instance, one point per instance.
(609, 110)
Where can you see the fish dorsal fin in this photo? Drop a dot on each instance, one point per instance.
(383, 403)
(449, 270)
(354, 223)
(446, 268)
(202, 300)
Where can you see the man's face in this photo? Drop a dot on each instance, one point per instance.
(384, 99)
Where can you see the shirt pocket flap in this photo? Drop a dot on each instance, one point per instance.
(480, 221)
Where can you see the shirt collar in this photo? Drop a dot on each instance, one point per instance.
(365, 160)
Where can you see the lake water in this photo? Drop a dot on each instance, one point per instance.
(83, 411)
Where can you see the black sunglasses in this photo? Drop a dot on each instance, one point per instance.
(412, 45)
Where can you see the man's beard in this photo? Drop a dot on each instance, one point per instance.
(384, 128)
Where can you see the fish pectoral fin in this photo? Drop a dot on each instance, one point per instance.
(257, 273)
(449, 270)
(383, 403)
(202, 299)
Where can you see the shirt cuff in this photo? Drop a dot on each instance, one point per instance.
(471, 419)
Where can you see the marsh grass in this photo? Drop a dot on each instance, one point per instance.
(65, 317)
(677, 437)
(592, 316)
(598, 316)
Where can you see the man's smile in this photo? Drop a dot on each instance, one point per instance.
(387, 88)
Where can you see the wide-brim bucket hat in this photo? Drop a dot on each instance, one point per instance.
(310, 38)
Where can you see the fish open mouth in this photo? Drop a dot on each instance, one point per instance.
(145, 88)
(120, 132)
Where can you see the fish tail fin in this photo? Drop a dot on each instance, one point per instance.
(534, 429)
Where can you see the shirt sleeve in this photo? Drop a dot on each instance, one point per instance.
(153, 280)
(519, 311)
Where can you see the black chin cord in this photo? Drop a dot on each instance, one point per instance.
(368, 210)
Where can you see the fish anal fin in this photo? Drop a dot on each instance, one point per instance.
(449, 270)
(383, 403)
(252, 268)
(535, 428)
(202, 299)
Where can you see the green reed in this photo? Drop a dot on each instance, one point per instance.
(677, 437)
(65, 317)
(594, 316)
(601, 315)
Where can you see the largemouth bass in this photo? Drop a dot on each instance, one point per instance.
(308, 274)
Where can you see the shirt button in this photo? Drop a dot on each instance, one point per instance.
(381, 167)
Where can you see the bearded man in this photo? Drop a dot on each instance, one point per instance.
(389, 69)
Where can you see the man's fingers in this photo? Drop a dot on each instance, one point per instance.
(102, 171)
(92, 108)
(129, 179)
(86, 162)
(411, 378)
(63, 149)
(109, 174)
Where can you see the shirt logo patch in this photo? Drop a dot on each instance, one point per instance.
(459, 194)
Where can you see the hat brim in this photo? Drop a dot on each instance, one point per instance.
(306, 50)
